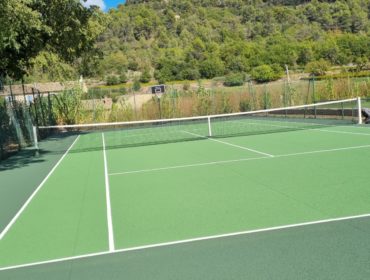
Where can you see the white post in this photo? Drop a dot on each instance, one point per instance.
(34, 129)
(209, 127)
(359, 109)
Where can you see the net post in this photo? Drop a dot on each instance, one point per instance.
(35, 140)
(209, 127)
(359, 110)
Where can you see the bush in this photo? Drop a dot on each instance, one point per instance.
(318, 68)
(189, 74)
(163, 75)
(136, 86)
(362, 63)
(112, 80)
(278, 71)
(234, 79)
(211, 68)
(145, 76)
(133, 65)
(266, 73)
(123, 78)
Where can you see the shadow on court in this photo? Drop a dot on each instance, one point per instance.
(21, 159)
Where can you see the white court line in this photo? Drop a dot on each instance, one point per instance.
(229, 144)
(324, 151)
(313, 128)
(343, 132)
(107, 196)
(185, 166)
(7, 228)
(238, 160)
(185, 241)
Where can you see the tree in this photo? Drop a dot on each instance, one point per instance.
(223, 36)
(211, 68)
(136, 85)
(114, 62)
(48, 66)
(145, 76)
(63, 27)
(163, 75)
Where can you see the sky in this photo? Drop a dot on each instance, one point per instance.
(103, 4)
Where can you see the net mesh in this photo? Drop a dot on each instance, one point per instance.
(129, 134)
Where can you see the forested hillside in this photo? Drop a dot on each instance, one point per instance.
(192, 39)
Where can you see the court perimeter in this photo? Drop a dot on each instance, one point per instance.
(289, 205)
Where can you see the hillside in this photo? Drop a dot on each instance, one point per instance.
(191, 39)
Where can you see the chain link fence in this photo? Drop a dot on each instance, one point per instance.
(18, 113)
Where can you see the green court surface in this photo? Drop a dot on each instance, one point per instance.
(284, 205)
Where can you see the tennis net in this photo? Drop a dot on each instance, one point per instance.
(139, 133)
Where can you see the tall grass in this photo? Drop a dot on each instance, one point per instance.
(67, 107)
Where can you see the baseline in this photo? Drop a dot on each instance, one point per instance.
(172, 243)
(7, 228)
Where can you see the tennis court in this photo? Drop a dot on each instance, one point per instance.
(293, 199)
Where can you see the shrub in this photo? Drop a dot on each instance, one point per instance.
(112, 80)
(234, 79)
(211, 68)
(123, 78)
(145, 76)
(263, 74)
(133, 65)
(318, 68)
(189, 74)
(362, 63)
(163, 75)
(136, 86)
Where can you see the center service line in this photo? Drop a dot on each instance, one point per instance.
(229, 144)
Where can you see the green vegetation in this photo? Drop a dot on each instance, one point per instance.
(191, 40)
(145, 76)
(136, 86)
(112, 80)
(345, 75)
(234, 79)
(181, 39)
(318, 68)
(50, 36)
(265, 73)
(142, 43)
